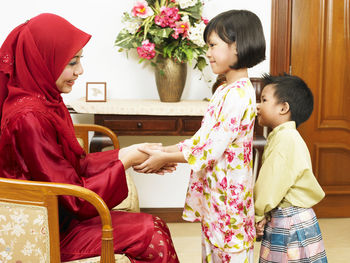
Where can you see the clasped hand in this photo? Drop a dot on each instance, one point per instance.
(156, 161)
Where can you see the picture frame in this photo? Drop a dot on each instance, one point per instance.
(96, 91)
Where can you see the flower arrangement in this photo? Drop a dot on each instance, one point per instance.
(170, 28)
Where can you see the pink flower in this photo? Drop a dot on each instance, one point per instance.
(210, 165)
(147, 50)
(181, 28)
(223, 183)
(205, 21)
(228, 236)
(141, 9)
(167, 17)
(230, 156)
(247, 152)
(197, 186)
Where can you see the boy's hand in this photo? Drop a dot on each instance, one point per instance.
(260, 228)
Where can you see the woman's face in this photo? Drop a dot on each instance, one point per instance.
(70, 73)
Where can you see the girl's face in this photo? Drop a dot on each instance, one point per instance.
(70, 73)
(220, 54)
(269, 109)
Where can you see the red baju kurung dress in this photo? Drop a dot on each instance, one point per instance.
(37, 142)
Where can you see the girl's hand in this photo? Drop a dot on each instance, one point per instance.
(155, 162)
(131, 156)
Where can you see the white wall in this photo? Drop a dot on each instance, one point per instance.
(126, 79)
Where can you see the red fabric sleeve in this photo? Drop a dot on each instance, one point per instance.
(37, 149)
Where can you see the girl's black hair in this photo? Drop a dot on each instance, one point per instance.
(244, 28)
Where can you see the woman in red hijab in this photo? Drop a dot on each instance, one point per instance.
(39, 60)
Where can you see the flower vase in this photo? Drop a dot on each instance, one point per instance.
(170, 79)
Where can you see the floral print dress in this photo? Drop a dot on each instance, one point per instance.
(220, 192)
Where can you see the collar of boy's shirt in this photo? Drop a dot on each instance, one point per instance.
(283, 126)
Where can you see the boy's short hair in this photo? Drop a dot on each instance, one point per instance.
(293, 90)
(244, 28)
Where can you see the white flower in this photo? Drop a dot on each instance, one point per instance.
(186, 3)
(17, 230)
(195, 34)
(39, 220)
(6, 255)
(19, 217)
(132, 26)
(185, 18)
(28, 249)
(7, 227)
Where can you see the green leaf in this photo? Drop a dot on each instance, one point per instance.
(209, 182)
(201, 63)
(189, 54)
(126, 41)
(252, 115)
(240, 236)
(222, 198)
(191, 159)
(205, 154)
(194, 11)
(196, 141)
(233, 220)
(187, 207)
(245, 114)
(160, 32)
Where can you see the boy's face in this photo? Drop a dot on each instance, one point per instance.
(269, 108)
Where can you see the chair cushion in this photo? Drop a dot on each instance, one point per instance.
(118, 258)
(131, 203)
(24, 233)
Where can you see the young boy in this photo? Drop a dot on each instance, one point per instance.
(286, 187)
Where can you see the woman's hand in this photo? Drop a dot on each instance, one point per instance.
(155, 162)
(131, 156)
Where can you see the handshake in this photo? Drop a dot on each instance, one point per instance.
(151, 158)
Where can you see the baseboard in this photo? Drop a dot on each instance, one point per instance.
(169, 215)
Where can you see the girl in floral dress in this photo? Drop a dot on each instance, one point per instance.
(220, 192)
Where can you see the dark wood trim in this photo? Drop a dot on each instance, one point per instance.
(169, 215)
(281, 25)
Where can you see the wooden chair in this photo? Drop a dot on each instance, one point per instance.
(30, 225)
(131, 203)
(82, 133)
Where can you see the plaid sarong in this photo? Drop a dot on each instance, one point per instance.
(292, 235)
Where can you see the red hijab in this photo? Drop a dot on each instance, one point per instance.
(32, 58)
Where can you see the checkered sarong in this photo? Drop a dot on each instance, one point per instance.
(292, 235)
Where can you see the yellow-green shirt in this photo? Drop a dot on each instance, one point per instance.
(286, 176)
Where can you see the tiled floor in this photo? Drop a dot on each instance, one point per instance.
(335, 231)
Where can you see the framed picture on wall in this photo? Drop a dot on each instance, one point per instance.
(96, 91)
